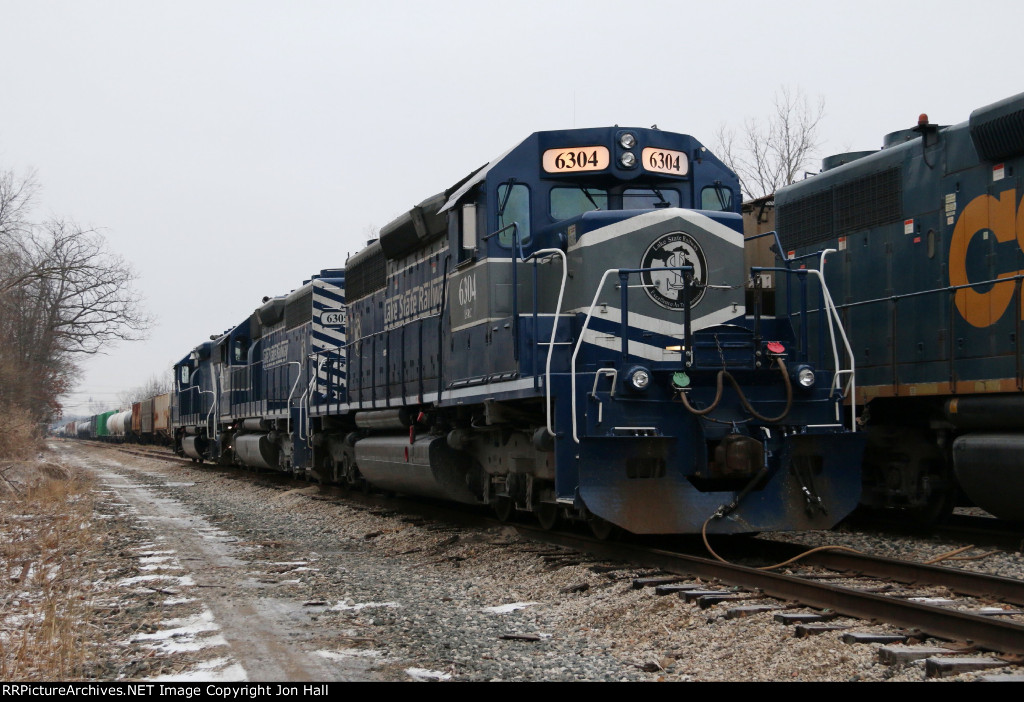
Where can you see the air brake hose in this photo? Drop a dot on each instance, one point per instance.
(743, 400)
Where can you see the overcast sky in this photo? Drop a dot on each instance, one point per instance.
(229, 149)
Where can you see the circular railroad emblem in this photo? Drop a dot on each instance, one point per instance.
(665, 288)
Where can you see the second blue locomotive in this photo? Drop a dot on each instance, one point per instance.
(930, 233)
(561, 333)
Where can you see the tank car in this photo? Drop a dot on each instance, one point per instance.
(928, 278)
(563, 333)
(119, 426)
(84, 429)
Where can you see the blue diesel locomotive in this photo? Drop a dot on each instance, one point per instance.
(928, 278)
(561, 333)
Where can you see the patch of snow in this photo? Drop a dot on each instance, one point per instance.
(345, 607)
(190, 645)
(344, 653)
(505, 609)
(216, 670)
(161, 566)
(423, 674)
(185, 627)
(183, 580)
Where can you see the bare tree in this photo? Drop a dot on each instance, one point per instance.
(768, 155)
(16, 194)
(156, 385)
(62, 294)
(86, 293)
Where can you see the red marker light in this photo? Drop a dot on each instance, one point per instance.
(776, 347)
(922, 121)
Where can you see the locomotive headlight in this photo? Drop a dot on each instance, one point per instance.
(804, 376)
(627, 141)
(638, 378)
(628, 159)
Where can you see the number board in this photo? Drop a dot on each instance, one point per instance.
(576, 159)
(665, 161)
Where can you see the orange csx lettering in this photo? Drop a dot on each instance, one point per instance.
(1000, 216)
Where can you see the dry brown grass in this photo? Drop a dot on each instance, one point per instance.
(19, 436)
(46, 578)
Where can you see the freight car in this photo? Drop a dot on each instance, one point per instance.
(562, 333)
(928, 277)
(150, 421)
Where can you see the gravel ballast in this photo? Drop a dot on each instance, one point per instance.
(260, 582)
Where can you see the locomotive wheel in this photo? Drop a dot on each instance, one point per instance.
(504, 508)
(342, 472)
(908, 462)
(330, 469)
(602, 529)
(340, 475)
(938, 507)
(547, 515)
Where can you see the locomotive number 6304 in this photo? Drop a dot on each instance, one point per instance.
(665, 161)
(576, 159)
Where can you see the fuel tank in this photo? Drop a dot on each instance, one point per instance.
(988, 468)
(256, 450)
(428, 466)
(194, 447)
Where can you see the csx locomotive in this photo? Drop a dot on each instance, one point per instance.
(930, 232)
(562, 333)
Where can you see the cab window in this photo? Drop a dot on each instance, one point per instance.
(572, 202)
(513, 208)
(717, 198)
(646, 198)
(239, 350)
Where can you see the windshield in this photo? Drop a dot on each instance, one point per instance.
(571, 202)
(644, 198)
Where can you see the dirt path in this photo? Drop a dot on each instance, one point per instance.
(222, 616)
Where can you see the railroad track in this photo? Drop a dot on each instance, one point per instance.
(925, 600)
(924, 615)
(982, 531)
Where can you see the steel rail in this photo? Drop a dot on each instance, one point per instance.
(981, 631)
(963, 582)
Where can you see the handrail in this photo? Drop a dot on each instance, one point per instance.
(516, 244)
(213, 405)
(211, 425)
(834, 321)
(624, 323)
(313, 377)
(921, 293)
(951, 291)
(288, 403)
(554, 326)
